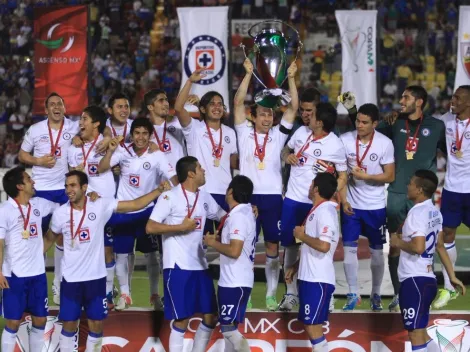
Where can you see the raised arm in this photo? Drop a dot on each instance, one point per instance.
(291, 112)
(239, 100)
(105, 162)
(139, 203)
(182, 114)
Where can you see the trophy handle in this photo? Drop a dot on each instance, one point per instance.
(254, 74)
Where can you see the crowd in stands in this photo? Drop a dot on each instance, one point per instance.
(418, 45)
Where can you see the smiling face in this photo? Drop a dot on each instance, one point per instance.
(55, 109)
(28, 185)
(141, 137)
(264, 119)
(215, 109)
(409, 103)
(306, 109)
(87, 127)
(460, 103)
(120, 111)
(74, 191)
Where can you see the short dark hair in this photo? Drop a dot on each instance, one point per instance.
(254, 107)
(427, 181)
(206, 99)
(242, 189)
(115, 97)
(53, 94)
(465, 87)
(12, 179)
(326, 184)
(418, 92)
(142, 122)
(327, 114)
(82, 177)
(184, 166)
(151, 95)
(97, 114)
(370, 110)
(310, 95)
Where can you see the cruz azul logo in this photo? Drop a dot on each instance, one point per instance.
(58, 39)
(208, 53)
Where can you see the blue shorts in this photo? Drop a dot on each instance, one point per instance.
(232, 304)
(416, 296)
(148, 243)
(293, 214)
(455, 209)
(187, 292)
(91, 295)
(269, 216)
(211, 225)
(56, 196)
(26, 294)
(368, 223)
(314, 302)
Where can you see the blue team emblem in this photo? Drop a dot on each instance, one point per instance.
(302, 160)
(171, 129)
(147, 165)
(66, 136)
(227, 139)
(134, 180)
(36, 212)
(92, 216)
(206, 206)
(310, 218)
(33, 230)
(467, 135)
(373, 157)
(84, 236)
(166, 146)
(453, 148)
(208, 53)
(198, 221)
(426, 132)
(317, 152)
(92, 169)
(58, 152)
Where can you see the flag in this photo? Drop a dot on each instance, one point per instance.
(462, 77)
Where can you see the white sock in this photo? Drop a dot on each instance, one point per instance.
(58, 255)
(8, 340)
(351, 266)
(234, 340)
(272, 271)
(452, 252)
(420, 348)
(433, 346)
(93, 342)
(320, 344)
(67, 341)
(36, 339)
(122, 272)
(153, 271)
(202, 337)
(377, 266)
(176, 339)
(131, 262)
(290, 257)
(110, 268)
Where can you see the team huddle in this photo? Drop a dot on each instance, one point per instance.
(102, 188)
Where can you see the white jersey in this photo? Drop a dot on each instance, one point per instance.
(84, 260)
(315, 158)
(37, 140)
(103, 184)
(185, 249)
(173, 145)
(268, 180)
(239, 225)
(457, 177)
(423, 220)
(316, 266)
(367, 195)
(119, 130)
(23, 257)
(140, 174)
(200, 146)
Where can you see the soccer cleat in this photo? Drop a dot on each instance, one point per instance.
(124, 302)
(376, 303)
(156, 302)
(394, 305)
(331, 308)
(55, 294)
(110, 301)
(443, 298)
(288, 302)
(352, 300)
(271, 303)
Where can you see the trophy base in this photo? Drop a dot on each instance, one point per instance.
(272, 98)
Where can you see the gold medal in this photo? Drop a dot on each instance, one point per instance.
(25, 234)
(261, 165)
(459, 154)
(216, 162)
(409, 155)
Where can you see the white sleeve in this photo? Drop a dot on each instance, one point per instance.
(291, 142)
(116, 157)
(109, 205)
(28, 141)
(325, 228)
(71, 156)
(163, 208)
(341, 163)
(164, 166)
(388, 156)
(417, 224)
(241, 129)
(3, 225)
(46, 207)
(189, 133)
(55, 222)
(214, 211)
(283, 136)
(238, 227)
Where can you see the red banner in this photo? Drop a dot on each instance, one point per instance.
(60, 56)
(146, 331)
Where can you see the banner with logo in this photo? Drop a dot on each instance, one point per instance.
(147, 331)
(358, 30)
(61, 57)
(462, 76)
(204, 33)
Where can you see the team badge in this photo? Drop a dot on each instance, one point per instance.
(92, 216)
(66, 136)
(84, 236)
(302, 160)
(426, 132)
(36, 212)
(198, 221)
(33, 230)
(373, 157)
(93, 169)
(134, 180)
(317, 152)
(147, 166)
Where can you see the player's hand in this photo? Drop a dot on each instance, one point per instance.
(209, 239)
(292, 70)
(248, 66)
(164, 186)
(394, 240)
(348, 99)
(391, 117)
(80, 167)
(188, 224)
(3, 281)
(102, 146)
(93, 196)
(290, 273)
(299, 233)
(359, 174)
(458, 283)
(292, 159)
(255, 211)
(47, 161)
(197, 75)
(193, 99)
(116, 170)
(114, 143)
(153, 147)
(347, 208)
(77, 141)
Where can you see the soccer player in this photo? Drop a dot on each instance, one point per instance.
(313, 149)
(421, 237)
(141, 171)
(371, 164)
(213, 143)
(83, 285)
(119, 112)
(319, 235)
(456, 193)
(260, 149)
(179, 216)
(237, 249)
(22, 272)
(415, 138)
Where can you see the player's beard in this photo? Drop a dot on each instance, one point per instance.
(410, 110)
